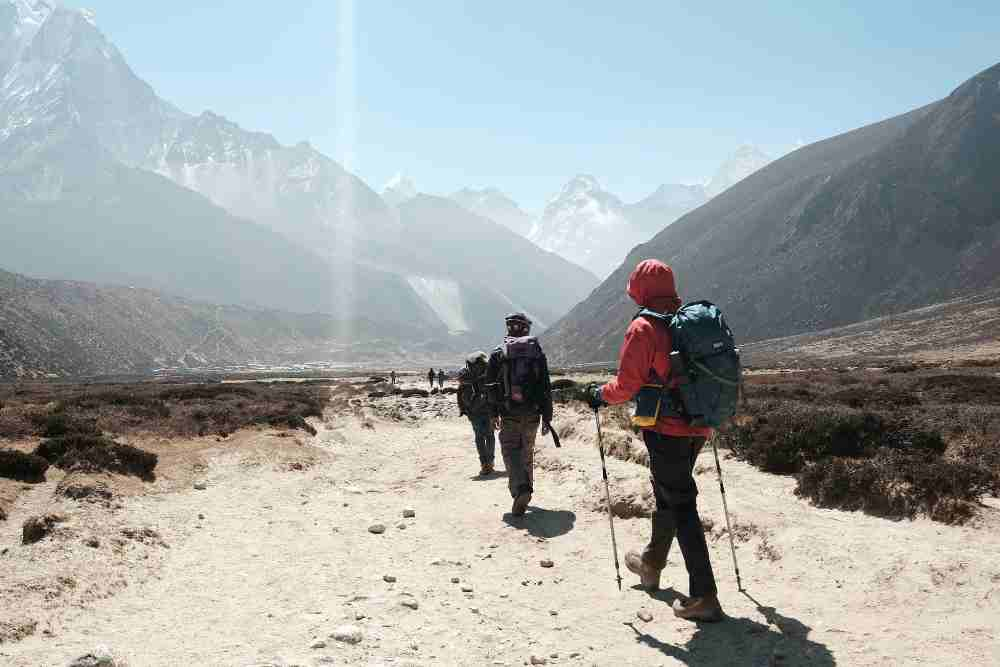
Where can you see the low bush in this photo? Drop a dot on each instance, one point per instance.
(955, 388)
(136, 403)
(201, 392)
(22, 466)
(59, 424)
(90, 453)
(788, 436)
(287, 420)
(896, 484)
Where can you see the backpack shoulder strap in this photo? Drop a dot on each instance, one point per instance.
(653, 316)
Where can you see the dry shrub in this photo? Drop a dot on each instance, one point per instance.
(88, 453)
(90, 490)
(138, 404)
(206, 392)
(767, 551)
(21, 466)
(966, 388)
(36, 528)
(896, 484)
(287, 420)
(56, 410)
(860, 396)
(791, 435)
(915, 441)
(59, 424)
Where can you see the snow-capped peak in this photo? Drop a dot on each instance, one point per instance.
(28, 17)
(746, 160)
(398, 190)
(580, 183)
(33, 11)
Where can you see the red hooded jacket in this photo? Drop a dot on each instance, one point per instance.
(645, 354)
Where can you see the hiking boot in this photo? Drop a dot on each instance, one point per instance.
(486, 470)
(649, 577)
(520, 504)
(705, 608)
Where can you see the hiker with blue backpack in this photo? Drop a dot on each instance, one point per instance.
(681, 366)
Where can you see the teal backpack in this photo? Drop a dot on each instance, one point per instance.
(705, 364)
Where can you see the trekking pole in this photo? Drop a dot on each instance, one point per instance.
(607, 495)
(725, 508)
(555, 436)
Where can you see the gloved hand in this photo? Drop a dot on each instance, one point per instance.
(593, 397)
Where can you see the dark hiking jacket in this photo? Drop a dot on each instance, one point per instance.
(540, 398)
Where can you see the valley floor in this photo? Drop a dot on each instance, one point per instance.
(283, 556)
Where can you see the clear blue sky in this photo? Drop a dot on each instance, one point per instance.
(523, 95)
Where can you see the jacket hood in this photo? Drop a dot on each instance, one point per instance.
(652, 286)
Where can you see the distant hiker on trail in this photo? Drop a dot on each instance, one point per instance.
(521, 396)
(430, 377)
(673, 446)
(441, 377)
(392, 377)
(473, 402)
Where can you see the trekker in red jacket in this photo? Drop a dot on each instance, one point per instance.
(673, 448)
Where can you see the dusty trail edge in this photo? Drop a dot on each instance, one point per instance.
(283, 556)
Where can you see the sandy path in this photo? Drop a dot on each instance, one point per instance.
(282, 557)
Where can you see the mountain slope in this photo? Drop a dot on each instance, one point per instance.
(70, 211)
(78, 329)
(81, 137)
(889, 217)
(745, 161)
(493, 270)
(495, 205)
(666, 205)
(966, 328)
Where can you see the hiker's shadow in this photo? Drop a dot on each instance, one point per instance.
(542, 522)
(496, 474)
(783, 641)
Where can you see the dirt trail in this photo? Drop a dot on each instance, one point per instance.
(283, 557)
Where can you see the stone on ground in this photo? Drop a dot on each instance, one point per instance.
(349, 634)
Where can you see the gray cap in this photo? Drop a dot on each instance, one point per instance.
(478, 355)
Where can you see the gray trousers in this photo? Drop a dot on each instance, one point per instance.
(517, 445)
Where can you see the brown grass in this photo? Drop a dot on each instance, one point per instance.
(53, 410)
(909, 441)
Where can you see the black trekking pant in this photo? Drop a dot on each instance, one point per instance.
(671, 464)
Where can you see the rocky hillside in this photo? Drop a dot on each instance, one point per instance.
(964, 330)
(64, 328)
(889, 217)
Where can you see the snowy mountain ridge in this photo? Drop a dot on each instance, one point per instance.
(76, 123)
(399, 189)
(587, 225)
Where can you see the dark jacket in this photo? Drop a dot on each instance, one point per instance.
(479, 404)
(540, 401)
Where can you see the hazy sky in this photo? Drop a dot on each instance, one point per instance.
(523, 95)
